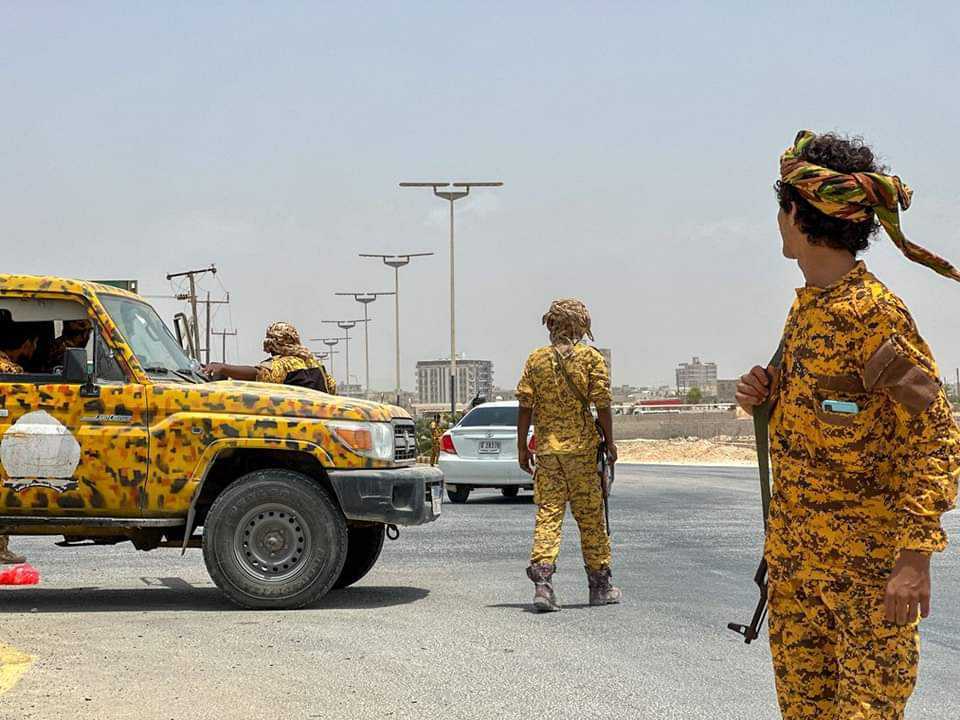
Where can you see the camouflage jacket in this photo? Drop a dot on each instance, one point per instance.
(8, 366)
(852, 490)
(276, 369)
(561, 425)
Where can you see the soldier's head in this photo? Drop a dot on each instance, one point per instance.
(76, 333)
(567, 321)
(280, 338)
(19, 340)
(803, 224)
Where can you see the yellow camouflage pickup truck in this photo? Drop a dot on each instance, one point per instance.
(287, 490)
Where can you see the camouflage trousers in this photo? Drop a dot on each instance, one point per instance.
(562, 479)
(835, 656)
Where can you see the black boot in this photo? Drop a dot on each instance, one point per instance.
(544, 599)
(602, 592)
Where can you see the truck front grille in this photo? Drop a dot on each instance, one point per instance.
(404, 441)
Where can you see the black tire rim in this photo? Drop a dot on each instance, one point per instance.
(272, 543)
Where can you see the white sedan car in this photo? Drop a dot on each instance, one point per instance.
(481, 452)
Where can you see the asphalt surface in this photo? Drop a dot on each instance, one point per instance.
(441, 627)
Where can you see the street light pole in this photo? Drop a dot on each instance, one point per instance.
(330, 343)
(452, 196)
(346, 326)
(365, 298)
(396, 261)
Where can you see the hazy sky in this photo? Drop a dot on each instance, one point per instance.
(637, 143)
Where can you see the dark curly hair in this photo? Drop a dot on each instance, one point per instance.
(846, 155)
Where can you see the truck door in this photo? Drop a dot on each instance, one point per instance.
(70, 448)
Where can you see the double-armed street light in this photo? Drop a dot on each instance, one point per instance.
(396, 261)
(452, 196)
(330, 343)
(365, 298)
(346, 326)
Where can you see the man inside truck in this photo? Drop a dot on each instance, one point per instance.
(18, 343)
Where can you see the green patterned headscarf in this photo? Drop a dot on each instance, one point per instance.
(852, 196)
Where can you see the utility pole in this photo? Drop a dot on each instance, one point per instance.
(208, 302)
(223, 349)
(192, 276)
(452, 196)
(396, 261)
(365, 298)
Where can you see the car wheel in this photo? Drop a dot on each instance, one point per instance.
(510, 492)
(459, 495)
(364, 544)
(274, 539)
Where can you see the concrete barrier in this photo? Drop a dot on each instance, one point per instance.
(664, 426)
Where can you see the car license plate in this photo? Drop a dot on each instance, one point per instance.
(436, 497)
(489, 447)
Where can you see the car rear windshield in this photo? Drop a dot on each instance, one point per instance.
(491, 417)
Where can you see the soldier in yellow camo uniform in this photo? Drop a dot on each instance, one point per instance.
(18, 343)
(436, 432)
(287, 355)
(859, 486)
(567, 442)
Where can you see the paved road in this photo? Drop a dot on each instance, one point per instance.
(440, 628)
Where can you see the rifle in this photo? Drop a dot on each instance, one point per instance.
(761, 429)
(605, 469)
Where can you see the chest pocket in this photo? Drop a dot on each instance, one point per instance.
(844, 440)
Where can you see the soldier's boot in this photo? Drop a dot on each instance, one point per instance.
(602, 592)
(6, 556)
(544, 599)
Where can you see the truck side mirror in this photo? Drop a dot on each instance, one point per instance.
(75, 365)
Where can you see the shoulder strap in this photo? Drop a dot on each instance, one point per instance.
(576, 391)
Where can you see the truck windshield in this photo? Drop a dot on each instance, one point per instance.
(154, 345)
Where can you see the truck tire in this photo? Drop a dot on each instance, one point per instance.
(363, 550)
(274, 539)
(460, 495)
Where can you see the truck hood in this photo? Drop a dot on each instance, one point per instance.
(270, 400)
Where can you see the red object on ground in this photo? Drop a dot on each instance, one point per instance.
(22, 574)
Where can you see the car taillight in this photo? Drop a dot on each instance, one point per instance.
(532, 443)
(446, 444)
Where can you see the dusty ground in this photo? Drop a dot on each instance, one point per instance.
(687, 452)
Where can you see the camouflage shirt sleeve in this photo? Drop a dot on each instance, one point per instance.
(926, 445)
(275, 370)
(525, 386)
(600, 394)
(8, 366)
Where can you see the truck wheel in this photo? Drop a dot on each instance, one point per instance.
(459, 495)
(274, 540)
(363, 550)
(510, 492)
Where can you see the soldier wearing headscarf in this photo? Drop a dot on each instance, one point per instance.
(864, 447)
(289, 363)
(559, 383)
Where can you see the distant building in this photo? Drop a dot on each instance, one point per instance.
(473, 377)
(697, 374)
(727, 391)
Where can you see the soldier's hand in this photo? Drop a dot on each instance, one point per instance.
(526, 460)
(214, 371)
(908, 590)
(753, 388)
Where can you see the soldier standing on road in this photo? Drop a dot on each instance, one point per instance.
(18, 343)
(436, 432)
(288, 357)
(864, 447)
(567, 444)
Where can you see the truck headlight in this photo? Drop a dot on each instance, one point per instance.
(370, 439)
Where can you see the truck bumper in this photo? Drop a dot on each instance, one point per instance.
(398, 496)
